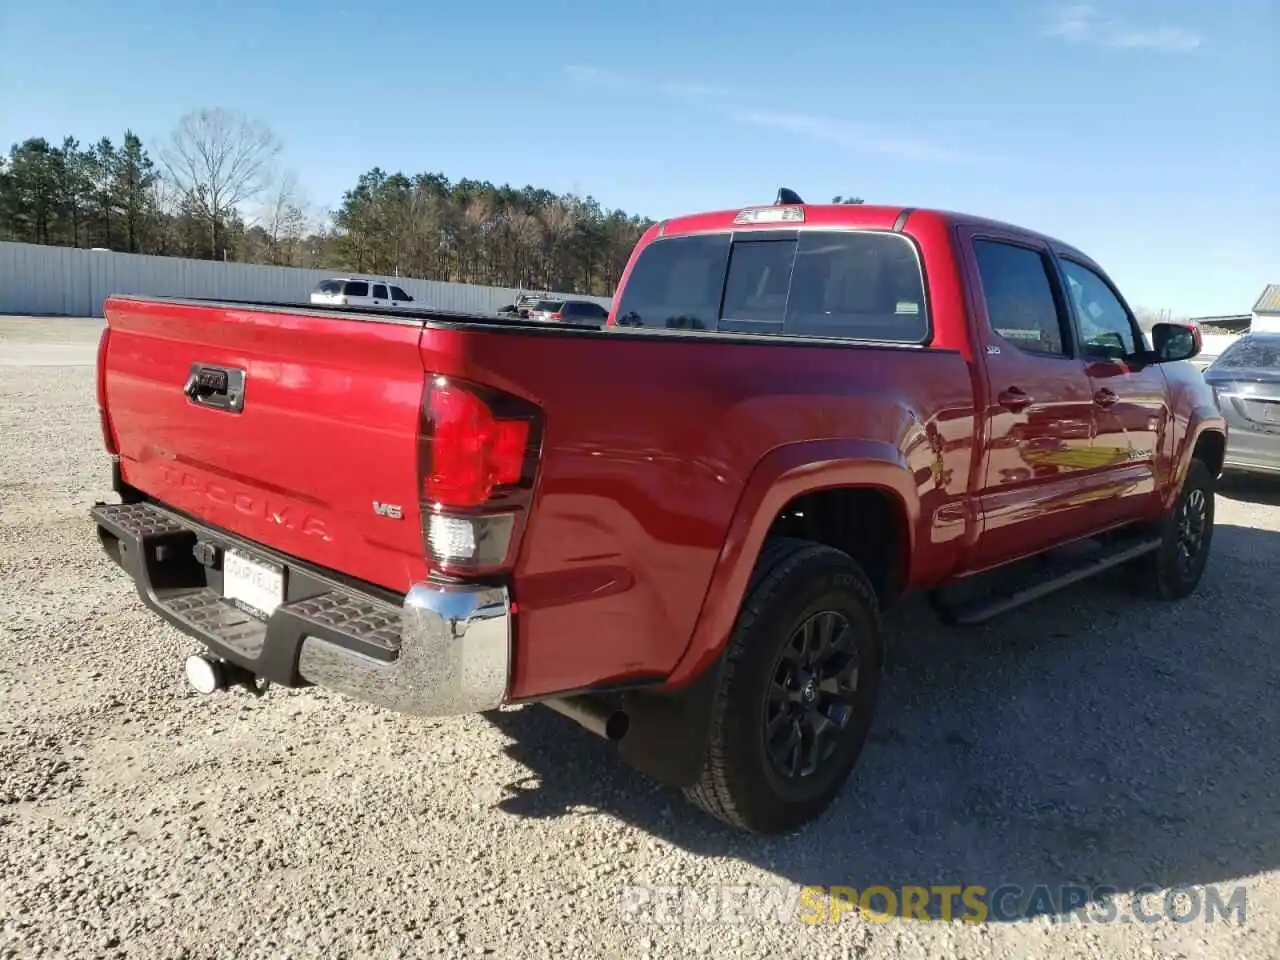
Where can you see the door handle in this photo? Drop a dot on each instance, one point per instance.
(1105, 397)
(1014, 400)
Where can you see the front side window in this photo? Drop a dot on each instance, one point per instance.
(1021, 307)
(825, 284)
(1106, 330)
(398, 294)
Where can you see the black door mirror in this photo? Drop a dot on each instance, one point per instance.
(1175, 341)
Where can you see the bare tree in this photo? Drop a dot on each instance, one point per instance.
(284, 218)
(1148, 318)
(219, 160)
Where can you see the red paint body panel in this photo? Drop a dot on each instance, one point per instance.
(648, 448)
(664, 458)
(1193, 414)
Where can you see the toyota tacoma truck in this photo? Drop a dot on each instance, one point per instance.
(680, 529)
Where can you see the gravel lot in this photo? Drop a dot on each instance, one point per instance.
(1090, 739)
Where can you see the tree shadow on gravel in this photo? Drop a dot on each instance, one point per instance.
(1089, 740)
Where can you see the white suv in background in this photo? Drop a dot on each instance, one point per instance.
(357, 292)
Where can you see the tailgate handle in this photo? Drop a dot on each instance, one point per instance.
(219, 388)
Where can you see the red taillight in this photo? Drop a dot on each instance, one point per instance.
(477, 451)
(472, 451)
(104, 418)
(557, 316)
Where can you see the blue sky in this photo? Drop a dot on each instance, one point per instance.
(1146, 132)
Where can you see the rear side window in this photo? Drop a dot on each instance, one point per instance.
(828, 284)
(357, 288)
(379, 291)
(1251, 353)
(1021, 306)
(330, 286)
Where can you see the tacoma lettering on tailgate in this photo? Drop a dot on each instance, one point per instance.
(251, 505)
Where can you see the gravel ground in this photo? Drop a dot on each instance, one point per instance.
(1090, 739)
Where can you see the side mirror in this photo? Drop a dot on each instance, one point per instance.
(1175, 341)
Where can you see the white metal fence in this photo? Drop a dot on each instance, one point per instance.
(64, 281)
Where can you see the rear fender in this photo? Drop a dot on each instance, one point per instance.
(782, 475)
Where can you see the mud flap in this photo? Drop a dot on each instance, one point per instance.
(667, 736)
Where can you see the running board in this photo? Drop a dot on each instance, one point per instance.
(981, 610)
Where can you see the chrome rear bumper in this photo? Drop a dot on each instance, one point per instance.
(445, 649)
(455, 655)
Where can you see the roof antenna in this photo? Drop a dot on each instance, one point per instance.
(786, 196)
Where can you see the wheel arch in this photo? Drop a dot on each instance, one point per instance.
(1205, 439)
(782, 478)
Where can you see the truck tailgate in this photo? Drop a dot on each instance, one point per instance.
(320, 459)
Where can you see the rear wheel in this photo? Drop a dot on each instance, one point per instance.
(1173, 570)
(795, 700)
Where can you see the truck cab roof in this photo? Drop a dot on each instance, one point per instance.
(894, 217)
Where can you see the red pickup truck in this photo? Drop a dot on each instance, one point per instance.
(680, 528)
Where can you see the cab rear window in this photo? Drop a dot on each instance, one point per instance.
(821, 283)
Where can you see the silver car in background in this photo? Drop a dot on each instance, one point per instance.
(1246, 382)
(544, 309)
(575, 312)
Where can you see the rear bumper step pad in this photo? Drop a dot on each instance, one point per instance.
(444, 650)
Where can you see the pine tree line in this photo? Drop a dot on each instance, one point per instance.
(215, 191)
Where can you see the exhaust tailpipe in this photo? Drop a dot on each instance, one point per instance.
(602, 719)
(208, 674)
(205, 674)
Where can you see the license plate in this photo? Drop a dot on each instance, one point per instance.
(256, 584)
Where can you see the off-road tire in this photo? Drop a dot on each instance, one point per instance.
(793, 581)
(1162, 574)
